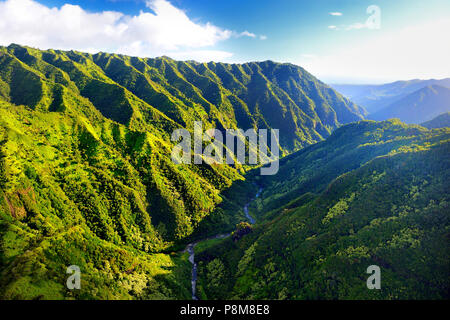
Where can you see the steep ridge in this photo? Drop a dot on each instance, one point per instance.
(377, 97)
(156, 96)
(373, 193)
(86, 174)
(263, 95)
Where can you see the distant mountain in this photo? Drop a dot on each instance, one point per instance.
(86, 175)
(376, 97)
(417, 107)
(441, 121)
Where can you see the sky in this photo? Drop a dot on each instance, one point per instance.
(338, 41)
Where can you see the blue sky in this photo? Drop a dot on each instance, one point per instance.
(330, 38)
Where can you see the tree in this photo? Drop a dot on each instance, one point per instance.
(242, 229)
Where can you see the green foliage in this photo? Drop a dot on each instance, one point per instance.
(381, 199)
(86, 145)
(86, 178)
(242, 229)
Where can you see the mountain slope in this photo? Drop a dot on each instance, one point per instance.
(263, 95)
(376, 97)
(440, 121)
(86, 172)
(117, 101)
(419, 106)
(379, 197)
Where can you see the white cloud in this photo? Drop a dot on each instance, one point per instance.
(336, 13)
(415, 51)
(262, 37)
(357, 26)
(246, 34)
(167, 30)
(353, 26)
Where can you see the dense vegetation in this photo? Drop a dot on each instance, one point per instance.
(86, 176)
(374, 193)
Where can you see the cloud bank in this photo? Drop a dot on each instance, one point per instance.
(414, 51)
(165, 31)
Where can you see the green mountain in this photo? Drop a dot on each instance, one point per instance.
(417, 107)
(86, 176)
(86, 179)
(377, 97)
(373, 193)
(441, 121)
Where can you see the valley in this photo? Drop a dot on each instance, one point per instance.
(87, 179)
(191, 247)
(375, 199)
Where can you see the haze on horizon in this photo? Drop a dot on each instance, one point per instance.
(330, 39)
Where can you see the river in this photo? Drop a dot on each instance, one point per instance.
(190, 248)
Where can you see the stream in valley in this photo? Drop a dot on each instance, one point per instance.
(190, 248)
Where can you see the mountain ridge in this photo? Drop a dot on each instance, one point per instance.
(373, 193)
(375, 97)
(87, 179)
(86, 171)
(417, 107)
(217, 93)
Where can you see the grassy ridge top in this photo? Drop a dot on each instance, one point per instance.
(251, 95)
(86, 175)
